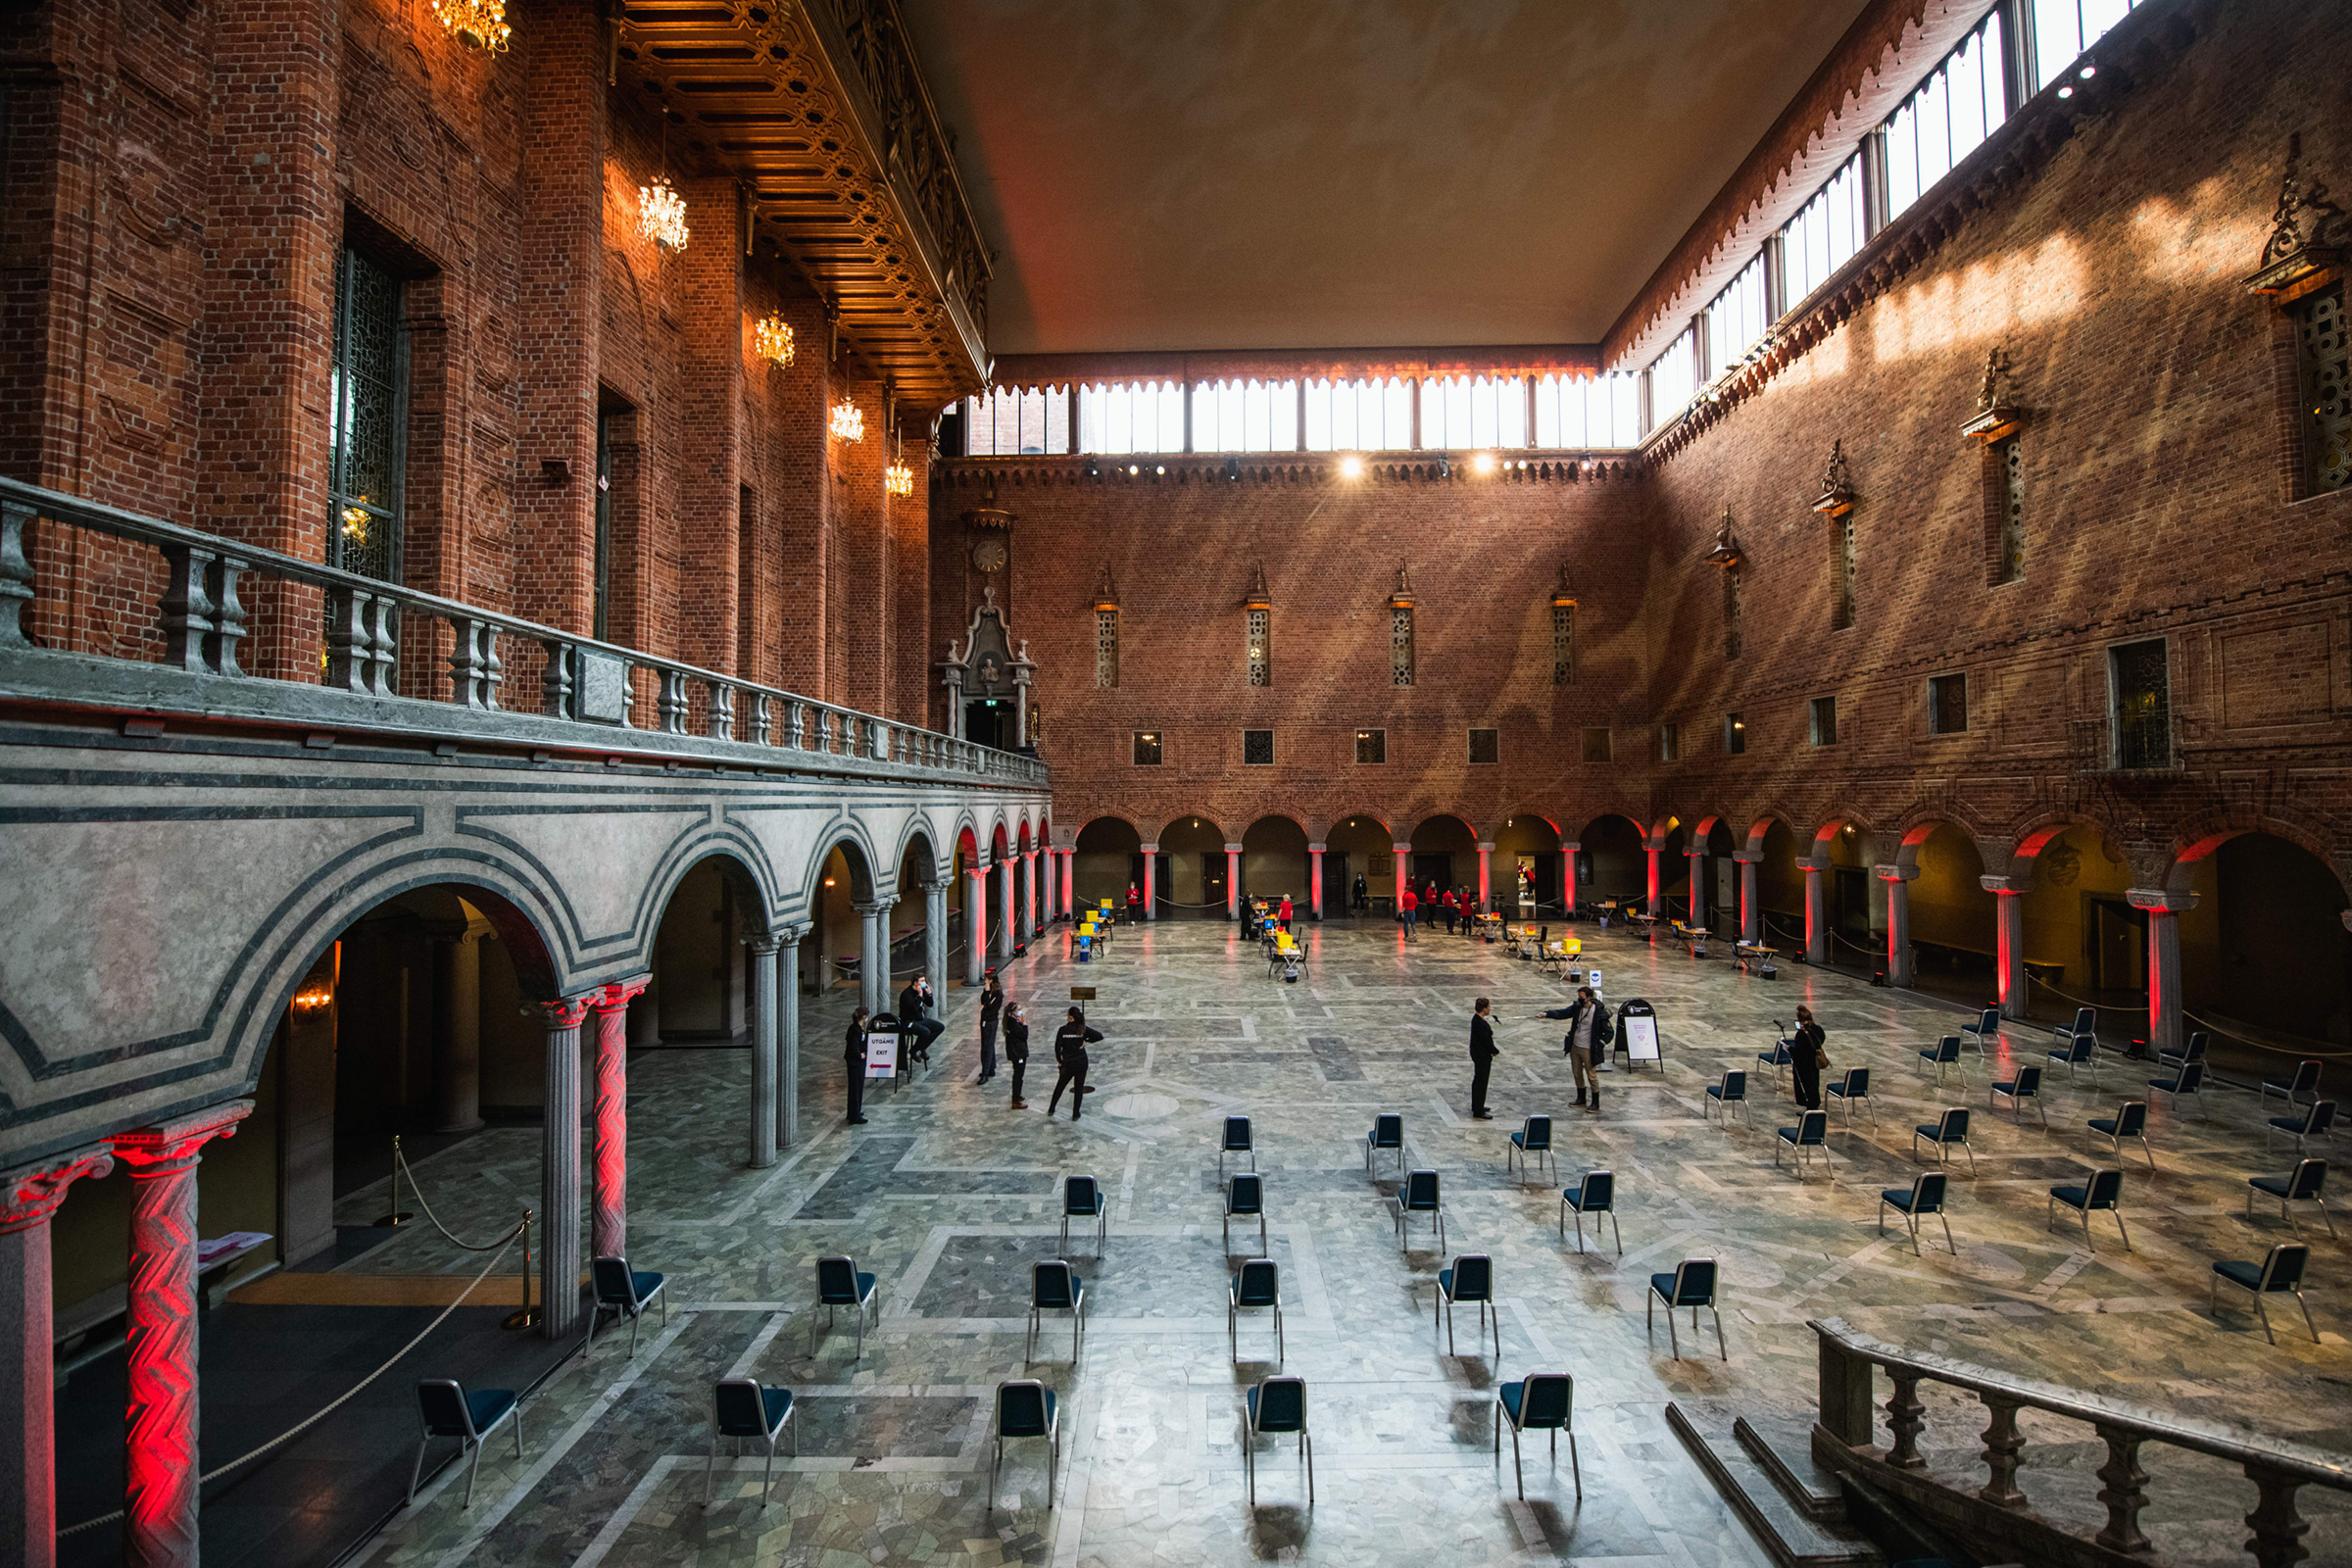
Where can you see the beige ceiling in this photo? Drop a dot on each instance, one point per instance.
(1343, 173)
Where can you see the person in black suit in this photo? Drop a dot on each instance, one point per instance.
(1481, 1059)
(852, 1051)
(1070, 1052)
(914, 1017)
(1017, 1050)
(992, 1002)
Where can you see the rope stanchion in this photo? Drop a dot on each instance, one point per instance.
(348, 1395)
(396, 1218)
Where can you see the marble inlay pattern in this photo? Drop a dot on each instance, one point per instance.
(948, 1198)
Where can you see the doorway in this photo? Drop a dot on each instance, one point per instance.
(988, 722)
(1438, 869)
(2119, 945)
(1212, 878)
(1339, 883)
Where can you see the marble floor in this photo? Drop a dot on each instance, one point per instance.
(947, 1195)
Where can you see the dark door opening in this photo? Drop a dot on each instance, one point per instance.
(1339, 884)
(988, 722)
(2119, 945)
(1428, 868)
(1849, 890)
(1212, 877)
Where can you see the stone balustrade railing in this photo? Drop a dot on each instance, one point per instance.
(1996, 1515)
(375, 645)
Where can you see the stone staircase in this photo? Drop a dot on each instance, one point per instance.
(1794, 1507)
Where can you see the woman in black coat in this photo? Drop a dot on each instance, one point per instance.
(1808, 1056)
(1017, 1050)
(852, 1051)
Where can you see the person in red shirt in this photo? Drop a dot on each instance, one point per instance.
(1283, 915)
(1135, 902)
(1407, 904)
(1445, 903)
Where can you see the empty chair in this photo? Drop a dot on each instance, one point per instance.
(1082, 1199)
(1722, 1096)
(2302, 1185)
(838, 1285)
(1025, 1408)
(1388, 1132)
(2027, 1085)
(1533, 1139)
(1540, 1402)
(2188, 1079)
(741, 1408)
(1054, 1288)
(1419, 1197)
(1278, 1405)
(449, 1411)
(1471, 1279)
(1924, 1197)
(2278, 1274)
(1690, 1285)
(1596, 1194)
(625, 1291)
(1238, 1140)
(1851, 1088)
(1811, 1132)
(2304, 1084)
(1245, 1199)
(1984, 1033)
(2104, 1189)
(1258, 1285)
(2130, 1120)
(2319, 1121)
(2194, 1050)
(2080, 1051)
(1944, 1132)
(1776, 1059)
(1943, 1056)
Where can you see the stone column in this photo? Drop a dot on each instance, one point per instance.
(1570, 848)
(28, 1195)
(788, 1032)
(2009, 942)
(1069, 883)
(1150, 866)
(1005, 927)
(764, 1057)
(1817, 919)
(559, 1170)
(873, 954)
(1233, 881)
(2164, 962)
(1314, 880)
(1898, 921)
(1694, 863)
(1485, 881)
(609, 1223)
(1403, 876)
(1033, 924)
(935, 938)
(975, 921)
(159, 1529)
(1751, 914)
(1652, 852)
(457, 1031)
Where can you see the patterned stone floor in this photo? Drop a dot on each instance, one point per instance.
(948, 1197)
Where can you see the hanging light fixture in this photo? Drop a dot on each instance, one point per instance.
(897, 479)
(774, 338)
(849, 421)
(661, 214)
(476, 25)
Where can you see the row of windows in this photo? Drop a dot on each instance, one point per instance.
(1257, 646)
(1961, 103)
(1398, 413)
(1371, 747)
(2140, 719)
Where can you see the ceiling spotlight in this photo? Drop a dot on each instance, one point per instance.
(2087, 72)
(2067, 91)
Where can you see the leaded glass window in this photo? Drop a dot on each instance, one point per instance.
(1563, 644)
(1731, 612)
(368, 393)
(2011, 474)
(2327, 389)
(1257, 748)
(1841, 564)
(1106, 648)
(2143, 710)
(1261, 654)
(1400, 645)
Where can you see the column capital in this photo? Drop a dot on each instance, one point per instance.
(1233, 849)
(1400, 849)
(615, 995)
(1896, 874)
(566, 1012)
(166, 1147)
(1486, 849)
(1694, 853)
(29, 1194)
(874, 906)
(789, 935)
(764, 945)
(1571, 847)
(1150, 848)
(1748, 856)
(1813, 864)
(2156, 900)
(1318, 849)
(2007, 887)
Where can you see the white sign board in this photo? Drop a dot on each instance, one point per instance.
(1593, 979)
(882, 1053)
(1641, 1038)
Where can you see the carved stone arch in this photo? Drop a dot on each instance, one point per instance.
(1761, 823)
(917, 827)
(2038, 830)
(2201, 836)
(849, 834)
(748, 861)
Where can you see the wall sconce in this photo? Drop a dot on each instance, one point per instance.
(849, 421)
(311, 999)
(476, 25)
(773, 340)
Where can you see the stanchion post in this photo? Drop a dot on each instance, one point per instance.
(396, 1218)
(527, 1317)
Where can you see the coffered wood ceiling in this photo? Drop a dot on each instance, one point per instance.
(1335, 173)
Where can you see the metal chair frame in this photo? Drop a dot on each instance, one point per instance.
(766, 1433)
(1099, 1213)
(1252, 1409)
(633, 1307)
(2319, 1121)
(1525, 1418)
(1406, 1209)
(2187, 1081)
(1724, 1095)
(471, 1438)
(1577, 1200)
(1812, 1131)
(1250, 1272)
(1385, 1122)
(2302, 1185)
(1674, 1341)
(2082, 1051)
(1051, 1434)
(1524, 1142)
(2265, 1283)
(1453, 1288)
(1073, 1301)
(861, 1297)
(2306, 1081)
(1246, 1146)
(1944, 1134)
(2027, 1085)
(2130, 1120)
(1908, 1205)
(1256, 1208)
(2112, 1204)
(1852, 1086)
(1945, 1054)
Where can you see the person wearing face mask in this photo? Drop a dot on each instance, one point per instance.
(1069, 1053)
(852, 1051)
(992, 1004)
(1016, 1048)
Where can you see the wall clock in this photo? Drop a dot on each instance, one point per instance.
(989, 555)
